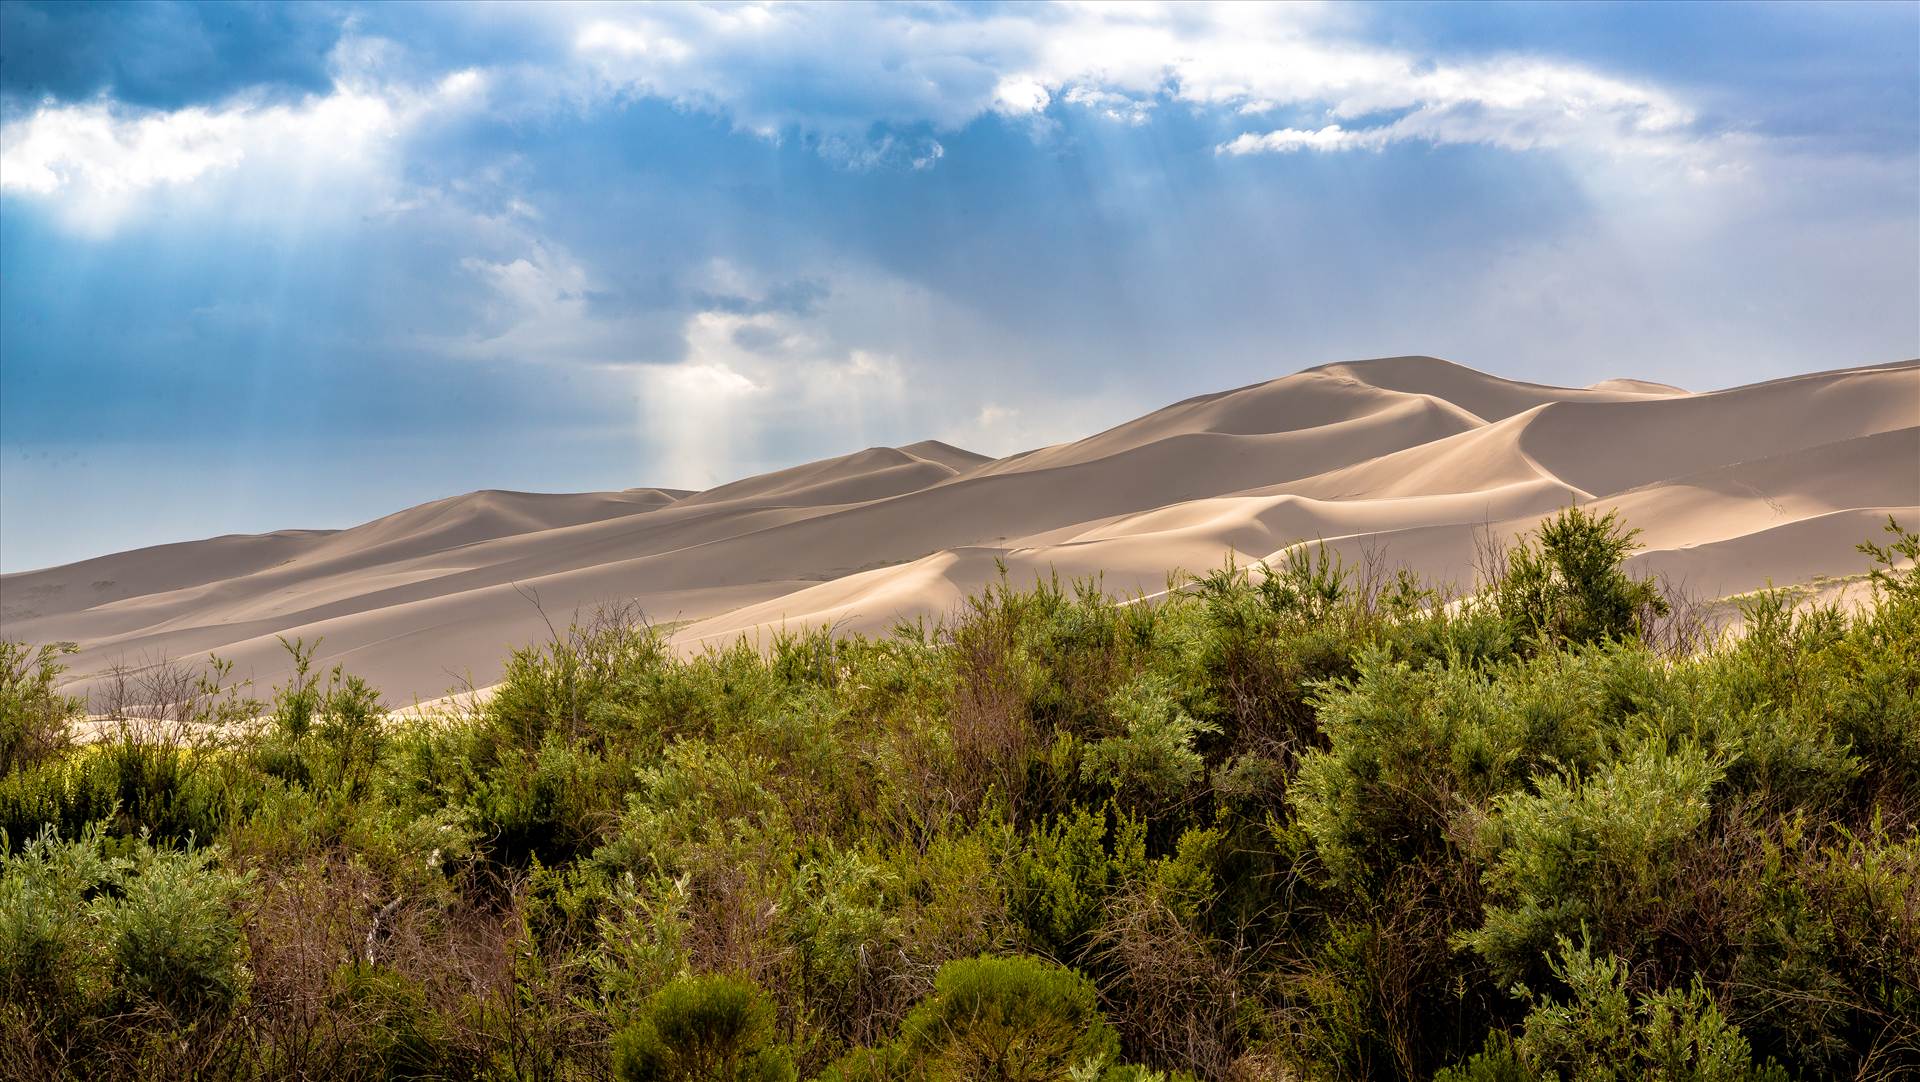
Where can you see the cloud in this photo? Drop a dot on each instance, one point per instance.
(1110, 105)
(799, 297)
(1514, 104)
(164, 54)
(838, 70)
(94, 159)
(1331, 137)
(751, 383)
(88, 145)
(868, 87)
(887, 150)
(1020, 96)
(540, 303)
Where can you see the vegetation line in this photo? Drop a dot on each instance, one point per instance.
(1317, 822)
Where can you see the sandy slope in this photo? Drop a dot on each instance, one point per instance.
(1409, 458)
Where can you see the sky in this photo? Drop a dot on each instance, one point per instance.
(272, 266)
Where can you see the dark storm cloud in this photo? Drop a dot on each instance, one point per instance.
(163, 54)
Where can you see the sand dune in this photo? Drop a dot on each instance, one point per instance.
(1408, 458)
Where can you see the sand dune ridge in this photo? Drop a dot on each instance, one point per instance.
(1406, 456)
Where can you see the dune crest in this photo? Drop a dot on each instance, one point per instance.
(1409, 458)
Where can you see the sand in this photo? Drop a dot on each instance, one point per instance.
(1406, 458)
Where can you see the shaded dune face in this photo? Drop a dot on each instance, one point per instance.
(1407, 458)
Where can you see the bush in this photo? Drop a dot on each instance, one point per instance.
(65, 793)
(848, 942)
(1565, 584)
(175, 939)
(1154, 761)
(553, 806)
(33, 716)
(1605, 1033)
(1009, 1020)
(578, 685)
(157, 788)
(1596, 852)
(82, 932)
(703, 1029)
(1061, 881)
(1830, 978)
(326, 735)
(51, 961)
(393, 1032)
(1251, 654)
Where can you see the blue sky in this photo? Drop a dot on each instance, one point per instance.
(269, 266)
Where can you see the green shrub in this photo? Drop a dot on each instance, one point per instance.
(1406, 749)
(65, 794)
(1768, 704)
(1007, 1020)
(1565, 583)
(33, 716)
(1072, 651)
(553, 806)
(167, 790)
(394, 1031)
(1060, 882)
(1595, 852)
(1603, 1032)
(697, 800)
(952, 897)
(848, 941)
(173, 935)
(1470, 633)
(81, 931)
(578, 685)
(1250, 655)
(1153, 761)
(128, 783)
(703, 1029)
(324, 733)
(51, 958)
(1876, 707)
(641, 934)
(1896, 565)
(1830, 970)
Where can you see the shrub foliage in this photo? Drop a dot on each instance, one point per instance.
(1299, 820)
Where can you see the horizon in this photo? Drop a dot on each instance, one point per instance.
(844, 453)
(301, 266)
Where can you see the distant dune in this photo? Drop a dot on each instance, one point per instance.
(1407, 457)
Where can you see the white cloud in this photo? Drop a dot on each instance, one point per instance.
(537, 309)
(1110, 105)
(611, 37)
(93, 161)
(695, 421)
(1254, 59)
(749, 380)
(1516, 104)
(539, 303)
(839, 72)
(88, 144)
(860, 153)
(746, 376)
(1331, 137)
(1019, 96)
(838, 69)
